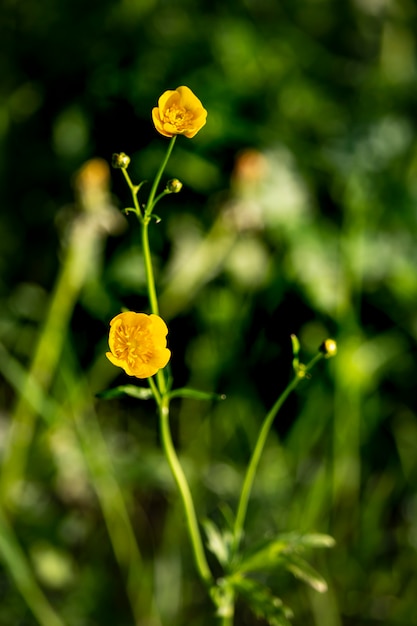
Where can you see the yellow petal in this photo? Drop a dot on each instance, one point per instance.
(188, 100)
(167, 99)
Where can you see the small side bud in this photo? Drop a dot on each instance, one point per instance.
(295, 350)
(120, 161)
(328, 348)
(174, 185)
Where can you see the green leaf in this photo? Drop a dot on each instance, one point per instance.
(303, 571)
(275, 552)
(141, 393)
(268, 557)
(262, 602)
(312, 540)
(217, 542)
(186, 392)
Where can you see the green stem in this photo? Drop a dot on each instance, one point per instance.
(155, 391)
(153, 299)
(151, 203)
(150, 279)
(182, 484)
(161, 195)
(257, 452)
(134, 191)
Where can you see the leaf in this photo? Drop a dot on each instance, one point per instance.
(274, 553)
(270, 556)
(186, 392)
(303, 571)
(317, 540)
(262, 602)
(297, 542)
(141, 393)
(217, 542)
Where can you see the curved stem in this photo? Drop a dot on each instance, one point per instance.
(155, 391)
(257, 452)
(187, 501)
(151, 203)
(134, 191)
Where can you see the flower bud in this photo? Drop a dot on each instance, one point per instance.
(328, 348)
(120, 161)
(174, 185)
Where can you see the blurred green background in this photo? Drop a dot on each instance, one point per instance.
(298, 215)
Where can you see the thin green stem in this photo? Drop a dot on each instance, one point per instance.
(151, 200)
(155, 391)
(257, 452)
(153, 299)
(161, 195)
(134, 191)
(160, 377)
(150, 279)
(182, 484)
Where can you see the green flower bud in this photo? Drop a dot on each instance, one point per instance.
(174, 185)
(120, 161)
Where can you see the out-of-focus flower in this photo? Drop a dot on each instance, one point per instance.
(179, 112)
(329, 348)
(138, 343)
(251, 167)
(94, 175)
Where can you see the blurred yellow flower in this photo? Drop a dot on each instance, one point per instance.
(179, 112)
(138, 343)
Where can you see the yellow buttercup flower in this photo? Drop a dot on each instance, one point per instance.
(179, 112)
(138, 343)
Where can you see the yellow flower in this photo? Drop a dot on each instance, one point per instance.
(179, 112)
(138, 343)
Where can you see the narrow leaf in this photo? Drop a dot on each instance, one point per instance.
(273, 553)
(303, 571)
(317, 540)
(268, 557)
(297, 541)
(216, 542)
(141, 393)
(186, 392)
